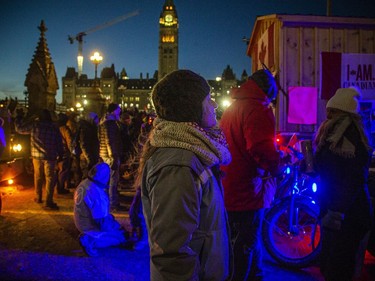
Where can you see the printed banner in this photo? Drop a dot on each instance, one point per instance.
(303, 105)
(340, 70)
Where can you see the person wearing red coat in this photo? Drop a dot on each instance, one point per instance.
(249, 126)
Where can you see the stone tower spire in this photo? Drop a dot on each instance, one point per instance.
(41, 79)
(168, 39)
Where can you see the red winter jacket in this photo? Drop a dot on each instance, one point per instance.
(249, 126)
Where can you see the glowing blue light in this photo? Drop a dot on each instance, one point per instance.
(314, 187)
(287, 170)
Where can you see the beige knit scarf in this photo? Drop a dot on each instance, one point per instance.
(209, 145)
(332, 131)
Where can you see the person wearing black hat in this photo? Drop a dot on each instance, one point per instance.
(110, 149)
(342, 156)
(180, 183)
(249, 126)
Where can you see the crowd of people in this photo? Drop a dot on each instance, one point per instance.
(200, 183)
(65, 146)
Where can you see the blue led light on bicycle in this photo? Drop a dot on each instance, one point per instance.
(314, 187)
(287, 170)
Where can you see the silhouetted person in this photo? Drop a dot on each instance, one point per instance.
(88, 142)
(46, 148)
(64, 166)
(110, 149)
(343, 156)
(76, 173)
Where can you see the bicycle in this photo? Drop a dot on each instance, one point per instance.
(291, 227)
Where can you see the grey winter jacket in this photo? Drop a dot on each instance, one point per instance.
(186, 219)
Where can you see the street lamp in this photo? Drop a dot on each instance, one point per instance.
(96, 59)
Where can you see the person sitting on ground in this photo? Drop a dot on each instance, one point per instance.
(92, 217)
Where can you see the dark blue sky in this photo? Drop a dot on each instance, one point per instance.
(210, 33)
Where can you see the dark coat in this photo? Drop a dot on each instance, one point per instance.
(110, 141)
(344, 181)
(89, 141)
(67, 138)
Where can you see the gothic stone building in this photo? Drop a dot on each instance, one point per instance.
(95, 94)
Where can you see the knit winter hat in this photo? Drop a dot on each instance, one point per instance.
(265, 80)
(100, 173)
(112, 107)
(179, 95)
(345, 99)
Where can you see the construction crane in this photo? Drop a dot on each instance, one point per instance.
(79, 36)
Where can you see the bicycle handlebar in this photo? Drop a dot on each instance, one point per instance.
(296, 153)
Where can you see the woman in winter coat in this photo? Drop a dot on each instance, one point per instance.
(179, 176)
(343, 156)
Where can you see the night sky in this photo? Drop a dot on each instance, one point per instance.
(210, 34)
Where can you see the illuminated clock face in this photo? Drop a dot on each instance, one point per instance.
(168, 18)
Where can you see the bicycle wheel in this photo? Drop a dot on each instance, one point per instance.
(297, 246)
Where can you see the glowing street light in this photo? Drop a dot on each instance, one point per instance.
(226, 103)
(96, 59)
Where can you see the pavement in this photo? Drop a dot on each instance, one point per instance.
(38, 244)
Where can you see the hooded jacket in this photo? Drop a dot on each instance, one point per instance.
(249, 126)
(91, 202)
(185, 197)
